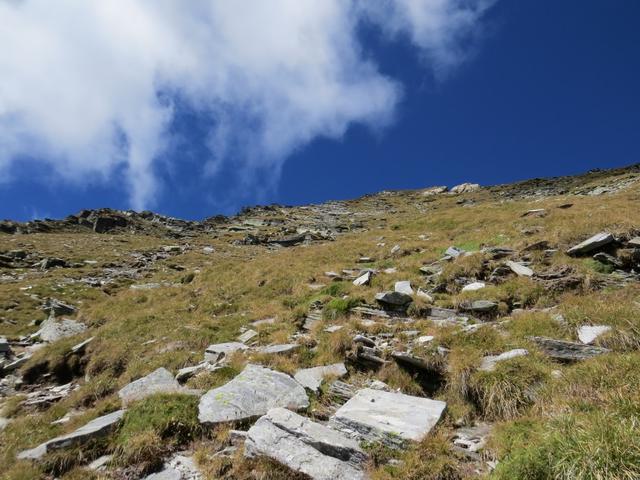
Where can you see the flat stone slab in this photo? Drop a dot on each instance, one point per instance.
(393, 300)
(387, 417)
(489, 362)
(403, 287)
(213, 353)
(159, 381)
(251, 394)
(519, 269)
(472, 287)
(282, 349)
(95, 428)
(363, 279)
(248, 335)
(567, 351)
(311, 378)
(587, 334)
(180, 467)
(52, 329)
(305, 446)
(599, 240)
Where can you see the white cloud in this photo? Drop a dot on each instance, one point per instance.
(88, 87)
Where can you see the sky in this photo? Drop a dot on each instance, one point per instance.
(193, 109)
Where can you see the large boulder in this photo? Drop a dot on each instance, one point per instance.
(251, 394)
(95, 428)
(159, 381)
(387, 417)
(306, 447)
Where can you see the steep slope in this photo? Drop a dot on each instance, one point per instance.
(531, 345)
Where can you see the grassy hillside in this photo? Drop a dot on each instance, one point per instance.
(546, 419)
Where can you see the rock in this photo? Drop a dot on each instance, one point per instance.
(422, 294)
(489, 362)
(424, 339)
(472, 439)
(589, 333)
(80, 347)
(100, 463)
(472, 287)
(413, 360)
(481, 306)
(634, 242)
(434, 191)
(567, 351)
(180, 467)
(333, 328)
(386, 417)
(537, 212)
(311, 378)
(159, 381)
(264, 321)
(593, 243)
(313, 318)
(404, 287)
(186, 373)
(56, 307)
(364, 279)
(519, 269)
(94, 429)
(365, 260)
(248, 335)
(393, 300)
(52, 330)
(608, 259)
(283, 349)
(47, 263)
(395, 249)
(4, 345)
(252, 393)
(454, 252)
(305, 446)
(465, 188)
(537, 246)
(105, 224)
(340, 392)
(216, 352)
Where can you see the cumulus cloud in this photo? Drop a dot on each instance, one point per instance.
(90, 88)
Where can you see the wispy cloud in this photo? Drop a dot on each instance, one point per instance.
(89, 87)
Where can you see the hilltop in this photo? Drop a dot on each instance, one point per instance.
(471, 332)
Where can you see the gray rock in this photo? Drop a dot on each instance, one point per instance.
(305, 446)
(453, 252)
(247, 336)
(634, 242)
(180, 467)
(472, 287)
(4, 345)
(311, 378)
(567, 351)
(481, 306)
(465, 188)
(53, 330)
(519, 269)
(593, 243)
(589, 333)
(403, 287)
(283, 349)
(186, 373)
(489, 362)
(94, 429)
(434, 191)
(56, 307)
(393, 300)
(159, 381)
(472, 439)
(608, 259)
(363, 279)
(252, 393)
(213, 353)
(80, 347)
(386, 417)
(100, 463)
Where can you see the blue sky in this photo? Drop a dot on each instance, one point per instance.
(535, 88)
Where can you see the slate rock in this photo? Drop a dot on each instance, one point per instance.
(4, 345)
(474, 286)
(393, 300)
(94, 429)
(251, 394)
(434, 190)
(311, 378)
(608, 259)
(589, 333)
(519, 269)
(454, 252)
(599, 240)
(403, 287)
(305, 446)
(489, 362)
(567, 351)
(364, 279)
(52, 330)
(387, 417)
(159, 381)
(481, 306)
(247, 336)
(282, 349)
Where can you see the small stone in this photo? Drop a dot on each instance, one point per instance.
(589, 333)
(404, 287)
(52, 330)
(472, 287)
(538, 212)
(283, 349)
(454, 252)
(333, 328)
(519, 269)
(364, 279)
(593, 243)
(424, 339)
(465, 188)
(248, 335)
(489, 363)
(422, 294)
(159, 381)
(481, 306)
(394, 300)
(395, 249)
(215, 352)
(311, 378)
